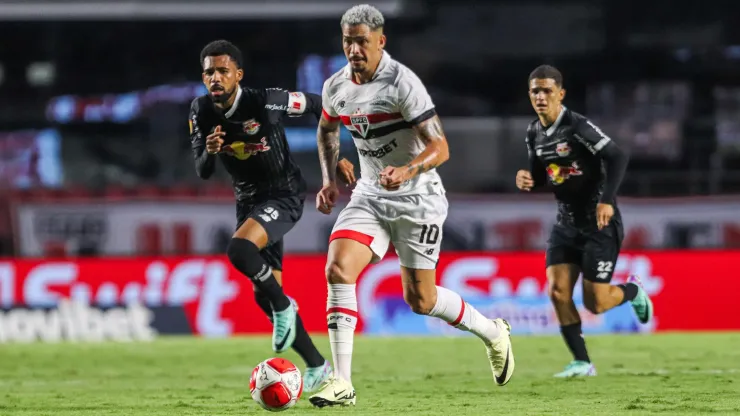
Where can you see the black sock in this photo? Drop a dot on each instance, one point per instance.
(245, 256)
(305, 348)
(575, 342)
(303, 344)
(263, 303)
(630, 292)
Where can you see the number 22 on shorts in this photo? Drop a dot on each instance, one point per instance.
(605, 266)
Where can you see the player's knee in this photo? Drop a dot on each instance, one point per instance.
(336, 274)
(421, 305)
(560, 295)
(245, 256)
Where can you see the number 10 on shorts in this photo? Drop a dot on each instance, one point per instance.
(429, 234)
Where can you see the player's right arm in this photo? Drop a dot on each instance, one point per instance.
(327, 137)
(526, 180)
(204, 149)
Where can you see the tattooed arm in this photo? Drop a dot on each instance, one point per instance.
(436, 152)
(416, 106)
(327, 136)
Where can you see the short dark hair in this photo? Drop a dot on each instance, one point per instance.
(545, 72)
(222, 47)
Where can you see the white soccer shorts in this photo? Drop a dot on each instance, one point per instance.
(412, 223)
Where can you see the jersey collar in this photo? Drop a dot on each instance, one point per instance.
(550, 130)
(382, 65)
(232, 110)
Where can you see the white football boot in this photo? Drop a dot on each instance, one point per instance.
(500, 354)
(335, 392)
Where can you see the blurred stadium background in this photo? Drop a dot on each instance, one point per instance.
(99, 201)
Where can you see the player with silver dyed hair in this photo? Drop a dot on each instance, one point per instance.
(398, 199)
(363, 14)
(369, 18)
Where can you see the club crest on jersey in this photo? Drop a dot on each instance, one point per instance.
(251, 126)
(562, 149)
(360, 122)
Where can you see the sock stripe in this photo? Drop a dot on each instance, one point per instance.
(345, 311)
(457, 321)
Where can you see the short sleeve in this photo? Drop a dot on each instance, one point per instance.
(327, 109)
(414, 101)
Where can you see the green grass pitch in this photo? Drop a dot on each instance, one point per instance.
(638, 374)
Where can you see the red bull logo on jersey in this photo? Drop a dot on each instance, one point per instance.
(559, 174)
(251, 126)
(244, 151)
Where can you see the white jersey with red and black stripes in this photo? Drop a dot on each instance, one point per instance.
(380, 115)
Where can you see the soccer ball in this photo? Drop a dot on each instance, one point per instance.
(276, 384)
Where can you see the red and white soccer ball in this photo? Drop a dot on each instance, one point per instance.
(276, 384)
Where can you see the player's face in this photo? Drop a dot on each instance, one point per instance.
(221, 77)
(545, 95)
(362, 47)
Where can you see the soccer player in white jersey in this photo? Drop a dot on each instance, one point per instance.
(399, 198)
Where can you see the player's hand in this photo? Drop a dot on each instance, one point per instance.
(604, 214)
(326, 199)
(214, 141)
(391, 178)
(524, 180)
(346, 172)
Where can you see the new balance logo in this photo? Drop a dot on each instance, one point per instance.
(270, 214)
(430, 252)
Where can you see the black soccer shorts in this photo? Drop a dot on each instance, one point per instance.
(277, 216)
(595, 252)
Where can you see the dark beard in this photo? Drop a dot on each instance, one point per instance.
(223, 98)
(359, 69)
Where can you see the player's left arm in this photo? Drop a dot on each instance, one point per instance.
(417, 109)
(436, 151)
(297, 104)
(615, 163)
(615, 159)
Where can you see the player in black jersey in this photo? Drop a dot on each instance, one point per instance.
(243, 127)
(584, 167)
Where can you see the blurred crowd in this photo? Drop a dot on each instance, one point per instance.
(98, 104)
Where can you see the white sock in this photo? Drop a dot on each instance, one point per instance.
(341, 318)
(451, 308)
